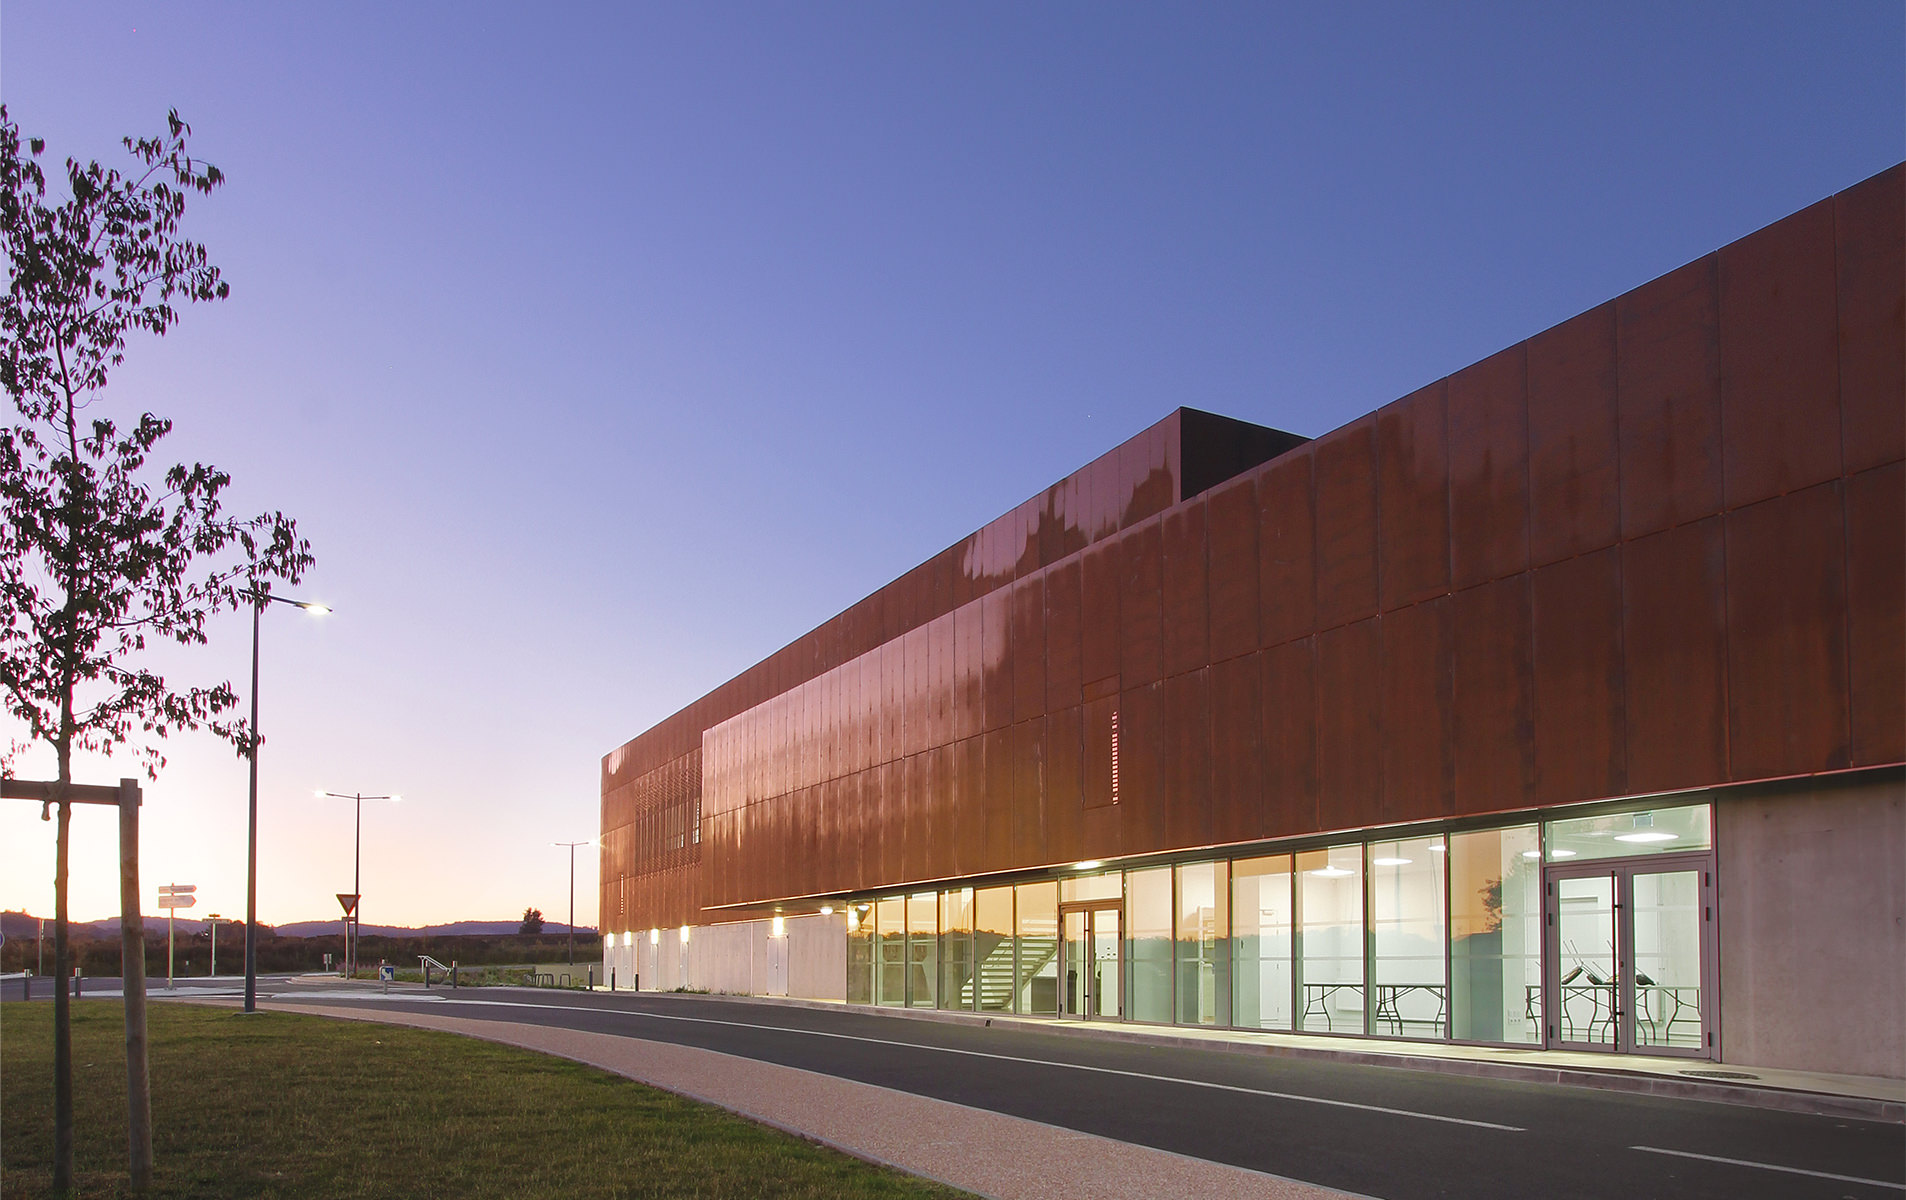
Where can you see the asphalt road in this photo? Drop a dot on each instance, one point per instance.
(1384, 1132)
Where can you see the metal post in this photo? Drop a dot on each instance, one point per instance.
(251, 831)
(212, 969)
(357, 884)
(40, 961)
(170, 944)
(572, 906)
(132, 973)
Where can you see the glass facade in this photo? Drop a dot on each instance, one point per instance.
(1426, 937)
(1204, 944)
(1148, 944)
(1495, 935)
(1261, 938)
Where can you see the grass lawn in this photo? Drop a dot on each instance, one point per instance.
(282, 1105)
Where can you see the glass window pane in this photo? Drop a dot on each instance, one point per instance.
(1330, 939)
(860, 953)
(993, 947)
(1621, 835)
(890, 938)
(923, 944)
(1668, 959)
(1406, 929)
(1204, 944)
(1038, 940)
(956, 949)
(1104, 886)
(1261, 930)
(1148, 944)
(1495, 935)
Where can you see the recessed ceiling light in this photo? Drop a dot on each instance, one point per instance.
(1646, 835)
(1538, 853)
(1331, 872)
(1087, 865)
(1437, 847)
(1392, 862)
(1560, 854)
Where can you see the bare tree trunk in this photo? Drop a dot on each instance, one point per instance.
(62, 1002)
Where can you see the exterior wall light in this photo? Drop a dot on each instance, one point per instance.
(827, 910)
(780, 926)
(655, 937)
(1088, 865)
(684, 935)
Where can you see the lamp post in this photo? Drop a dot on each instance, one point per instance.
(572, 892)
(357, 875)
(259, 600)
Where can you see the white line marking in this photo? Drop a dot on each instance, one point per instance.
(1040, 1062)
(1741, 1162)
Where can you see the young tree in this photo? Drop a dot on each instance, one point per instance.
(532, 921)
(101, 549)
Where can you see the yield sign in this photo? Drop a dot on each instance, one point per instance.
(349, 901)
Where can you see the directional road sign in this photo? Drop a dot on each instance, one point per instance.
(349, 901)
(176, 901)
(177, 889)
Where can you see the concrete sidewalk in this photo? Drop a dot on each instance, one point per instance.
(987, 1153)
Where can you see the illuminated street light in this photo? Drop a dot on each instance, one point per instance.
(357, 874)
(259, 600)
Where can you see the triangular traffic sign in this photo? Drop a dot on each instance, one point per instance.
(349, 901)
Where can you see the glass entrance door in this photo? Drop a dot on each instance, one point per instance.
(1091, 951)
(1630, 957)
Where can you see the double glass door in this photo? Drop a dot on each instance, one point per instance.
(1630, 962)
(1092, 982)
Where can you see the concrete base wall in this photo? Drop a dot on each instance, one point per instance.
(736, 958)
(817, 957)
(1812, 925)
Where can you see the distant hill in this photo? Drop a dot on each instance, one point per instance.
(26, 925)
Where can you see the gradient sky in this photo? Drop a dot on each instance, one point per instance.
(601, 351)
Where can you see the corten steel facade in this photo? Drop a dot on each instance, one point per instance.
(1655, 549)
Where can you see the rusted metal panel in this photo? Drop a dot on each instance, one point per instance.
(1419, 770)
(1346, 513)
(1876, 608)
(1188, 758)
(1668, 378)
(1286, 549)
(1780, 402)
(1029, 647)
(996, 659)
(1349, 725)
(1495, 708)
(1290, 739)
(1237, 747)
(1141, 603)
(996, 849)
(1034, 823)
(1187, 625)
(1574, 457)
(1413, 497)
(1786, 635)
(1580, 742)
(1141, 760)
(1674, 643)
(1064, 771)
(1064, 609)
(1231, 520)
(1489, 468)
(1099, 623)
(1869, 222)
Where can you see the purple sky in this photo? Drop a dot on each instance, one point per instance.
(601, 352)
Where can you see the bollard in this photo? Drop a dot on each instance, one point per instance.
(26, 985)
(612, 979)
(76, 984)
(592, 979)
(453, 972)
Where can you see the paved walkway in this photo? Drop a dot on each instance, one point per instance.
(983, 1152)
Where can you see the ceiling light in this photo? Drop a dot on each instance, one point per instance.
(1559, 854)
(1331, 872)
(1087, 865)
(1437, 847)
(1538, 853)
(1646, 835)
(827, 910)
(1392, 862)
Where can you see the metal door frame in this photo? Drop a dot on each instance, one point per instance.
(1621, 872)
(1089, 910)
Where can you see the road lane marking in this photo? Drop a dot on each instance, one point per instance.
(1741, 1162)
(1040, 1062)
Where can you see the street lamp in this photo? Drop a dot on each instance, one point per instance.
(259, 600)
(572, 892)
(357, 860)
